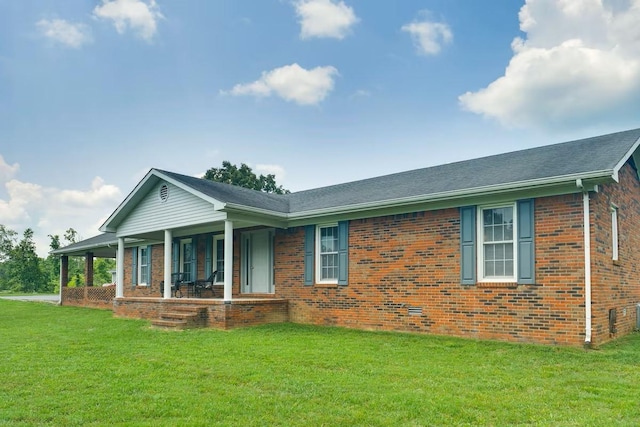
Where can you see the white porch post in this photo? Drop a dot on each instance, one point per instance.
(120, 269)
(228, 260)
(168, 241)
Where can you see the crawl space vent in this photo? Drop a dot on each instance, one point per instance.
(164, 192)
(415, 311)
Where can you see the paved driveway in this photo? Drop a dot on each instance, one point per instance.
(53, 298)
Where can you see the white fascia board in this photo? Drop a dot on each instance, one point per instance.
(233, 207)
(624, 159)
(453, 195)
(84, 248)
(257, 215)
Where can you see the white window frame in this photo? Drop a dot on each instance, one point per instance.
(481, 243)
(142, 267)
(319, 254)
(615, 240)
(214, 258)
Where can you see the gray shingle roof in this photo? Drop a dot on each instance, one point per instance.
(585, 156)
(594, 154)
(100, 241)
(233, 194)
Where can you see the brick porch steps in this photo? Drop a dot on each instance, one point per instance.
(182, 318)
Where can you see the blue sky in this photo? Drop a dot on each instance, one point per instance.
(319, 92)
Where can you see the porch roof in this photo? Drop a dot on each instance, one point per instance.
(103, 245)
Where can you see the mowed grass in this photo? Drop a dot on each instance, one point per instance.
(65, 366)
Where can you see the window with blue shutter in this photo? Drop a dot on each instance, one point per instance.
(497, 243)
(526, 242)
(208, 255)
(343, 250)
(309, 245)
(134, 266)
(468, 245)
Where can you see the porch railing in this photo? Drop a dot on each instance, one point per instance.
(89, 296)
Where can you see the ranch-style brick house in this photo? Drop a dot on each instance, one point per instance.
(540, 245)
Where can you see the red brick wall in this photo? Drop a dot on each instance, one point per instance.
(616, 285)
(397, 262)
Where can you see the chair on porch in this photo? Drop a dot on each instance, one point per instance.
(201, 285)
(177, 281)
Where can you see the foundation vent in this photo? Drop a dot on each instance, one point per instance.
(417, 311)
(612, 320)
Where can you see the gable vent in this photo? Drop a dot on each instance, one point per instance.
(415, 311)
(164, 192)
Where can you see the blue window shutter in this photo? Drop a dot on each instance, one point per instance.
(208, 255)
(343, 252)
(526, 240)
(468, 245)
(149, 262)
(134, 266)
(309, 246)
(194, 259)
(176, 257)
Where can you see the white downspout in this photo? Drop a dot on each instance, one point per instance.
(587, 268)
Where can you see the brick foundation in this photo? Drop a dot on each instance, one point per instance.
(220, 315)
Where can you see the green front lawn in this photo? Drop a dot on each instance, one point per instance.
(65, 366)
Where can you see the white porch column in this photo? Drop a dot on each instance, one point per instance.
(120, 269)
(228, 260)
(168, 242)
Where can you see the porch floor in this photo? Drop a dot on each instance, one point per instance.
(210, 312)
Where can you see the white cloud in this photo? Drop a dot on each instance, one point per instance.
(7, 171)
(65, 33)
(324, 18)
(49, 210)
(579, 62)
(292, 83)
(276, 170)
(99, 191)
(428, 36)
(139, 16)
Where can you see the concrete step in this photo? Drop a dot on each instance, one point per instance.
(169, 324)
(182, 317)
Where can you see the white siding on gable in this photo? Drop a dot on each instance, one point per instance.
(180, 209)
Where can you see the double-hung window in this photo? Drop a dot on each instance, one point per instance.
(327, 253)
(143, 265)
(497, 243)
(497, 252)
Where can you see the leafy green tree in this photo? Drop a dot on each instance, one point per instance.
(102, 270)
(244, 177)
(23, 267)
